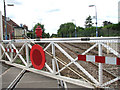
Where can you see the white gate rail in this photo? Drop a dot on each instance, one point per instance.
(55, 71)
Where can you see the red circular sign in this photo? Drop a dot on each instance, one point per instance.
(37, 57)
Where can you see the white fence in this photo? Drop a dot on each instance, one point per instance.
(54, 71)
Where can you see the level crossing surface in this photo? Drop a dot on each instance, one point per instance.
(30, 80)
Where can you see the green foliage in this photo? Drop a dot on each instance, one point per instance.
(105, 23)
(47, 35)
(111, 30)
(44, 35)
(53, 35)
(68, 30)
(30, 34)
(88, 22)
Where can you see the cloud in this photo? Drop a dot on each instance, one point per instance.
(53, 13)
(53, 10)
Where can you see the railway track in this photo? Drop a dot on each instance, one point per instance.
(91, 53)
(92, 68)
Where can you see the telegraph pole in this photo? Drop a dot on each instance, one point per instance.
(5, 21)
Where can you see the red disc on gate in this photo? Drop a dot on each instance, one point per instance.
(37, 57)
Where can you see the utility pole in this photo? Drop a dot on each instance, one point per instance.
(5, 20)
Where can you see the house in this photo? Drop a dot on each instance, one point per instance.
(20, 32)
(14, 31)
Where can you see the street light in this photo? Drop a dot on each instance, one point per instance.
(75, 28)
(96, 18)
(100, 53)
(5, 18)
(10, 4)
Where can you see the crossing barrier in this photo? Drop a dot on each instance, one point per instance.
(35, 56)
(10, 50)
(100, 59)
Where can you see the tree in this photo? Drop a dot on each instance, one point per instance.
(66, 30)
(53, 35)
(88, 22)
(105, 23)
(111, 30)
(47, 35)
(44, 35)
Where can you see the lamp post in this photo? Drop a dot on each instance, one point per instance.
(75, 28)
(96, 18)
(100, 50)
(5, 18)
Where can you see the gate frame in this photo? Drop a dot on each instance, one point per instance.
(99, 41)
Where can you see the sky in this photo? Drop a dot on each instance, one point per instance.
(53, 13)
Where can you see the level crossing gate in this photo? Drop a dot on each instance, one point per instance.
(8, 49)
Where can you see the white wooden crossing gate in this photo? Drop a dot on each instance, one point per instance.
(53, 65)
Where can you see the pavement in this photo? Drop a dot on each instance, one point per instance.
(9, 75)
(30, 80)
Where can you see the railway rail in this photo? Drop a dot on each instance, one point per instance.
(71, 47)
(66, 45)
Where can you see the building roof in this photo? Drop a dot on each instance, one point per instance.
(10, 21)
(11, 25)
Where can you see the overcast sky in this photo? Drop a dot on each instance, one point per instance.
(53, 13)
